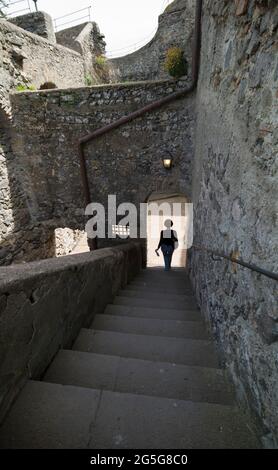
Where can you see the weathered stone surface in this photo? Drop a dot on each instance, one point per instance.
(127, 163)
(43, 305)
(27, 60)
(241, 7)
(66, 240)
(86, 39)
(175, 29)
(42, 61)
(235, 199)
(37, 22)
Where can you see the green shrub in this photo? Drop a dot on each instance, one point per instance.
(25, 88)
(89, 80)
(101, 69)
(175, 63)
(101, 61)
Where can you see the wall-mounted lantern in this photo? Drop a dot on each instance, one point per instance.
(168, 160)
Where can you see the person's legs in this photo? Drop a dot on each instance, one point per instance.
(167, 262)
(167, 253)
(171, 251)
(164, 251)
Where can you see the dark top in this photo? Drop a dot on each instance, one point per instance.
(166, 239)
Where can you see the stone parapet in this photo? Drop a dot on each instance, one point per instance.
(43, 306)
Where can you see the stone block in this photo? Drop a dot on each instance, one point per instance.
(241, 7)
(39, 23)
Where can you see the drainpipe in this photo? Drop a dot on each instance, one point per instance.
(146, 109)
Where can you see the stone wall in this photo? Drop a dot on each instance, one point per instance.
(74, 38)
(21, 238)
(43, 306)
(235, 195)
(69, 37)
(127, 162)
(66, 240)
(88, 41)
(39, 23)
(27, 60)
(175, 28)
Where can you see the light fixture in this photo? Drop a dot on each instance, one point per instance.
(168, 161)
(36, 6)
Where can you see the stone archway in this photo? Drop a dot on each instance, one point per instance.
(155, 223)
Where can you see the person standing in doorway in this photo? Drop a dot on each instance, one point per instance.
(168, 243)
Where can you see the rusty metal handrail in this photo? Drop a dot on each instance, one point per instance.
(234, 259)
(146, 109)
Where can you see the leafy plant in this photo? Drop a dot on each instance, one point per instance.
(101, 61)
(25, 88)
(175, 63)
(89, 80)
(101, 69)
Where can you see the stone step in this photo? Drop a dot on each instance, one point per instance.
(160, 287)
(137, 421)
(52, 416)
(169, 286)
(119, 374)
(190, 352)
(141, 287)
(166, 279)
(146, 294)
(189, 303)
(150, 326)
(160, 272)
(145, 312)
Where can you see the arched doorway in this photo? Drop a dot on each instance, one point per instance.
(162, 206)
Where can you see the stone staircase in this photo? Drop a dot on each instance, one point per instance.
(145, 375)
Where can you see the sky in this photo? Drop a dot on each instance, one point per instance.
(126, 24)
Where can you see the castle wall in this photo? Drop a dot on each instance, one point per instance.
(127, 162)
(28, 59)
(88, 41)
(175, 28)
(38, 22)
(67, 37)
(20, 237)
(235, 195)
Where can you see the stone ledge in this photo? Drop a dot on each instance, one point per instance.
(177, 84)
(21, 272)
